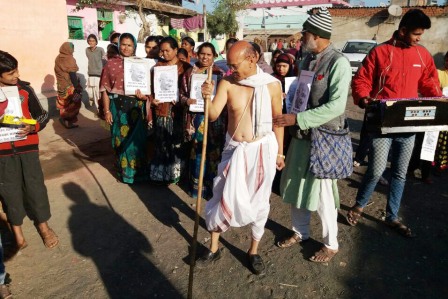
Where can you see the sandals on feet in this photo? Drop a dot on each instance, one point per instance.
(324, 255)
(400, 228)
(353, 216)
(49, 238)
(288, 242)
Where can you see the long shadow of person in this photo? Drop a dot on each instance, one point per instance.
(120, 252)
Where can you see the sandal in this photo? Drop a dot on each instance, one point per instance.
(353, 215)
(288, 242)
(400, 228)
(324, 255)
(49, 238)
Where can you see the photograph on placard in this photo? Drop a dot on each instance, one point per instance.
(165, 83)
(196, 91)
(137, 75)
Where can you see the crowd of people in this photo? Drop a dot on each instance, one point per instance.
(247, 145)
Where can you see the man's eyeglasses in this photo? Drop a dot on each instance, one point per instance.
(235, 67)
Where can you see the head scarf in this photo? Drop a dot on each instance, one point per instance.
(64, 64)
(285, 58)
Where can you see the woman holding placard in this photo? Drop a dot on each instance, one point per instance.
(284, 71)
(190, 95)
(169, 152)
(125, 115)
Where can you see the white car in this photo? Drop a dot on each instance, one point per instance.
(356, 50)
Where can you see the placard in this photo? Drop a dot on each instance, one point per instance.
(288, 83)
(196, 91)
(13, 112)
(165, 83)
(302, 92)
(429, 146)
(137, 75)
(9, 134)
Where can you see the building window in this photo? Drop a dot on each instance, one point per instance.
(75, 29)
(105, 22)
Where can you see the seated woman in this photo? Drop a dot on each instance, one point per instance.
(125, 115)
(195, 126)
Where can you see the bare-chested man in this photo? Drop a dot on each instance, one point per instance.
(243, 184)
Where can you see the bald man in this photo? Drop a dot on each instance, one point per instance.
(251, 155)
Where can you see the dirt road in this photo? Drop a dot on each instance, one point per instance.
(120, 241)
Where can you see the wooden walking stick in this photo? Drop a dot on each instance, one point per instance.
(200, 183)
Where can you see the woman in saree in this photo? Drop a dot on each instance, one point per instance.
(188, 44)
(169, 153)
(195, 126)
(125, 115)
(69, 90)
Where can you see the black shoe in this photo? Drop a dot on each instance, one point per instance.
(208, 258)
(256, 264)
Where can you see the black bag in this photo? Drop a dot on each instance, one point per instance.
(331, 153)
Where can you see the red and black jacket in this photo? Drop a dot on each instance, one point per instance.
(31, 108)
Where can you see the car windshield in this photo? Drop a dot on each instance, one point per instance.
(358, 47)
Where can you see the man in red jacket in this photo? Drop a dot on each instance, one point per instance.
(398, 68)
(21, 178)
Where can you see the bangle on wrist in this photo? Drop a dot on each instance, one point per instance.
(281, 156)
(108, 111)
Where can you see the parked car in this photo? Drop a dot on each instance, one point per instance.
(356, 50)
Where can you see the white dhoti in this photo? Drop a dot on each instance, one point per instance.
(242, 188)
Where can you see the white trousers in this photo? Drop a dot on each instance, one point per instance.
(94, 89)
(328, 214)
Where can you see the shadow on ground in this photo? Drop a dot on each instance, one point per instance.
(121, 253)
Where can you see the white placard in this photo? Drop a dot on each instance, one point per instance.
(302, 93)
(429, 146)
(196, 91)
(11, 93)
(165, 83)
(137, 75)
(445, 91)
(288, 82)
(9, 134)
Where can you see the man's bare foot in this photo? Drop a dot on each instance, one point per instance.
(324, 255)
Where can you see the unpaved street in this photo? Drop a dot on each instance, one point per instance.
(121, 241)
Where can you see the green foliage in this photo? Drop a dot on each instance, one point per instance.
(223, 19)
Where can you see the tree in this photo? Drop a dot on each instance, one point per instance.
(146, 26)
(223, 19)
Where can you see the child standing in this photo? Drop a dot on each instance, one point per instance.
(95, 57)
(21, 177)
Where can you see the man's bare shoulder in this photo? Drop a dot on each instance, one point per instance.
(275, 86)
